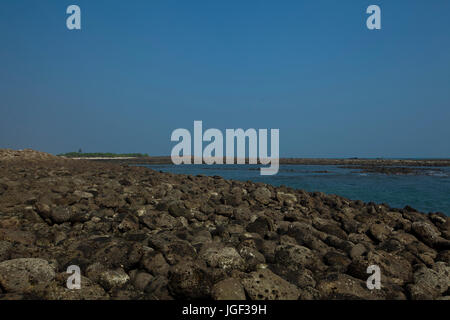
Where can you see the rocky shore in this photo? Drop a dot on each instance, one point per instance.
(306, 161)
(140, 234)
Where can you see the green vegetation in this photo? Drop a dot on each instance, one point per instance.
(102, 154)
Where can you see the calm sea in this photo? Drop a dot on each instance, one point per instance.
(427, 193)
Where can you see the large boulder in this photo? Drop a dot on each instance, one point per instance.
(18, 275)
(430, 283)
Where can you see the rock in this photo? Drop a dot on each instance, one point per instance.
(427, 232)
(57, 290)
(189, 279)
(262, 195)
(380, 231)
(228, 289)
(330, 228)
(430, 283)
(83, 195)
(62, 214)
(309, 293)
(444, 256)
(113, 279)
(178, 209)
(294, 256)
(338, 261)
(141, 280)
(251, 256)
(287, 199)
(222, 257)
(260, 226)
(129, 223)
(341, 286)
(94, 271)
(225, 210)
(265, 285)
(391, 245)
(18, 275)
(394, 269)
(357, 250)
(5, 249)
(155, 263)
(17, 236)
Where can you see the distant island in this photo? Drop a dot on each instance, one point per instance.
(102, 155)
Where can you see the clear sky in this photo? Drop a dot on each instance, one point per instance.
(140, 69)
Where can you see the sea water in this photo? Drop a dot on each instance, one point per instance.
(428, 192)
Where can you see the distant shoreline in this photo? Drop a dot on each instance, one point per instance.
(296, 161)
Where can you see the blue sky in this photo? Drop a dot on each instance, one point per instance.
(140, 69)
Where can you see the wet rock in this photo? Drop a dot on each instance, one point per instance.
(265, 285)
(228, 289)
(18, 275)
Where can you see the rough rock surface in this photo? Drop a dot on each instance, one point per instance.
(140, 234)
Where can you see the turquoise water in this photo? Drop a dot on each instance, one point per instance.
(426, 193)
